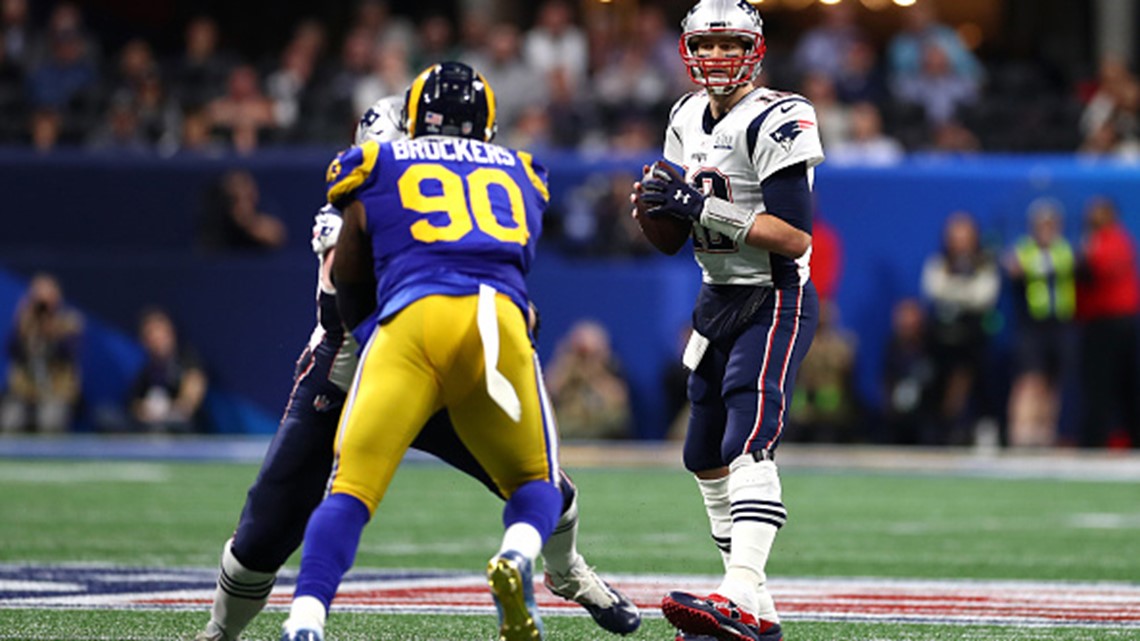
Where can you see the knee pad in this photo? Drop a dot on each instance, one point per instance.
(762, 476)
(755, 492)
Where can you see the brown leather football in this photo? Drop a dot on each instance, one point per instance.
(667, 233)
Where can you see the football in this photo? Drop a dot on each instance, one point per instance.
(667, 233)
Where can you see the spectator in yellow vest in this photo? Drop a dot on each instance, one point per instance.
(1042, 267)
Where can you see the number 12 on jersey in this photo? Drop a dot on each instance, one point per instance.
(706, 240)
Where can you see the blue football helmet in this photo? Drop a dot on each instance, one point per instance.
(450, 99)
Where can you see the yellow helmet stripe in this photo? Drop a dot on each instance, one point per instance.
(490, 129)
(535, 179)
(414, 94)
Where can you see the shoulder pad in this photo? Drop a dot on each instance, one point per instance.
(785, 119)
(349, 170)
(681, 102)
(536, 172)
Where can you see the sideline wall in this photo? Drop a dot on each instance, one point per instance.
(119, 232)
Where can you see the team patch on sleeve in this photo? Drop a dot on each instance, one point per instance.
(349, 170)
(785, 135)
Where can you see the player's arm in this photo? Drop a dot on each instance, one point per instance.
(326, 231)
(785, 227)
(352, 271)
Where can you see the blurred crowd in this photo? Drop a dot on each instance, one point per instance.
(583, 80)
(1067, 374)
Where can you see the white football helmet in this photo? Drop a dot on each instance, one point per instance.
(723, 18)
(382, 122)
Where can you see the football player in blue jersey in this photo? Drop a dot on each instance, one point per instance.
(296, 467)
(439, 232)
(738, 168)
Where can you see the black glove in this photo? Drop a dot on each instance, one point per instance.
(667, 193)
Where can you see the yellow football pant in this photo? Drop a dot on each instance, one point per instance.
(430, 356)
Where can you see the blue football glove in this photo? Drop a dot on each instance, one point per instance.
(666, 192)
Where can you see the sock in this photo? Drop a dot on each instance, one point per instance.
(715, 494)
(757, 514)
(240, 595)
(523, 538)
(306, 613)
(561, 550)
(331, 539)
(537, 503)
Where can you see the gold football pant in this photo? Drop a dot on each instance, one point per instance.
(431, 355)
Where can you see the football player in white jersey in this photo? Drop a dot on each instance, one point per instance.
(738, 165)
(296, 468)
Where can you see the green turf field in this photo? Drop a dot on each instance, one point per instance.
(634, 521)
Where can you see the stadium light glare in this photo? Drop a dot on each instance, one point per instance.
(905, 3)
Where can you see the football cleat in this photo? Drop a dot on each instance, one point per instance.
(681, 636)
(717, 617)
(207, 636)
(611, 609)
(512, 586)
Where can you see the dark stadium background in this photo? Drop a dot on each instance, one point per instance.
(118, 230)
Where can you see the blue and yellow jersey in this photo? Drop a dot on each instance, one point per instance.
(444, 214)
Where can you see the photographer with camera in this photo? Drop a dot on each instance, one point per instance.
(44, 381)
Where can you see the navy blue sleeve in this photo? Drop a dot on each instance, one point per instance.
(788, 197)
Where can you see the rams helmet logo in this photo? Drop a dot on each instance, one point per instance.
(333, 171)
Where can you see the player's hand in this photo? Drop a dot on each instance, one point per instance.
(666, 193)
(635, 195)
(326, 229)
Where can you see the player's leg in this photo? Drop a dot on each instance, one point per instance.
(702, 448)
(566, 573)
(569, 576)
(519, 453)
(393, 394)
(702, 456)
(758, 393)
(288, 487)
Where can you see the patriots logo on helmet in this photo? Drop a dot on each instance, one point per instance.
(785, 135)
(749, 8)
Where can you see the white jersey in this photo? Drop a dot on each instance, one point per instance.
(763, 133)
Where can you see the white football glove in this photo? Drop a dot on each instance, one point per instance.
(326, 229)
